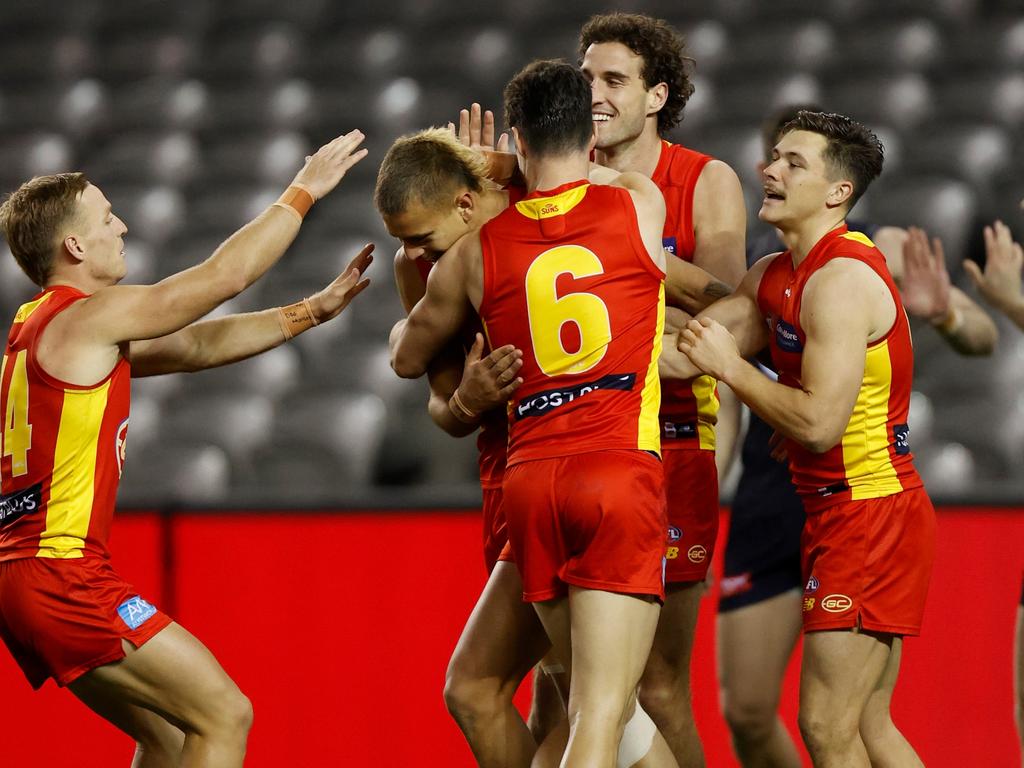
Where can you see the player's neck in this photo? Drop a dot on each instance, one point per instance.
(492, 202)
(640, 155)
(801, 238)
(551, 172)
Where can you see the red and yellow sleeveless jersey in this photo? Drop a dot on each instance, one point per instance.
(873, 458)
(63, 446)
(492, 439)
(689, 409)
(567, 279)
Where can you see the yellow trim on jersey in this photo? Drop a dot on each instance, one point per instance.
(859, 237)
(557, 205)
(27, 309)
(703, 388)
(649, 428)
(69, 509)
(869, 470)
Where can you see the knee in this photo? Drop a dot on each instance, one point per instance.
(824, 731)
(468, 698)
(665, 693)
(751, 719)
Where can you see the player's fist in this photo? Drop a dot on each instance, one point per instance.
(709, 345)
(329, 164)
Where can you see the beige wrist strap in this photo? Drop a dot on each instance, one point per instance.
(297, 199)
(296, 318)
(460, 411)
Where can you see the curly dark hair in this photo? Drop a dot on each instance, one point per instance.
(661, 49)
(548, 102)
(853, 150)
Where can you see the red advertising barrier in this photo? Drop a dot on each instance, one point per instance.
(339, 628)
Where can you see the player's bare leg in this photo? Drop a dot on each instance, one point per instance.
(841, 670)
(175, 676)
(665, 686)
(501, 642)
(550, 697)
(158, 743)
(886, 746)
(751, 673)
(607, 637)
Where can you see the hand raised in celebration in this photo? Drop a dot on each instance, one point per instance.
(329, 302)
(329, 164)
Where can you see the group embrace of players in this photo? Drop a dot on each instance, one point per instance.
(578, 302)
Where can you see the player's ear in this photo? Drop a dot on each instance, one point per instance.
(840, 193)
(656, 97)
(465, 204)
(72, 245)
(520, 144)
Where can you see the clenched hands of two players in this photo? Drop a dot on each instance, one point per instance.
(1000, 282)
(328, 303)
(489, 381)
(329, 164)
(710, 346)
(925, 283)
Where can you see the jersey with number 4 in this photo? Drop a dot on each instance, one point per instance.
(63, 445)
(568, 280)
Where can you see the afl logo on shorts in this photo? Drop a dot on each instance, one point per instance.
(674, 534)
(812, 586)
(836, 603)
(119, 445)
(697, 553)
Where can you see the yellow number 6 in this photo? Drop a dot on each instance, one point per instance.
(548, 312)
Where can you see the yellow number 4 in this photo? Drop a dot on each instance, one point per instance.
(548, 312)
(17, 432)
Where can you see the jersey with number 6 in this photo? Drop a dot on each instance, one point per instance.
(63, 446)
(568, 280)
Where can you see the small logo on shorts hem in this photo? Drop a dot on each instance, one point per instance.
(697, 553)
(674, 534)
(135, 612)
(735, 585)
(808, 604)
(836, 603)
(812, 586)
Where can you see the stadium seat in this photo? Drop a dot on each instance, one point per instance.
(983, 97)
(236, 422)
(169, 473)
(910, 45)
(791, 47)
(904, 101)
(972, 152)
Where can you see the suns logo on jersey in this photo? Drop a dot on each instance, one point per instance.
(120, 445)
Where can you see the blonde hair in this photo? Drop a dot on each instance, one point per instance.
(427, 167)
(33, 216)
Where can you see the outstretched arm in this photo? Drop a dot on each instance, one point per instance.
(1000, 282)
(127, 313)
(211, 343)
(927, 293)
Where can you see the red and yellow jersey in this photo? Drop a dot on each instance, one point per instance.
(689, 409)
(568, 280)
(873, 458)
(63, 446)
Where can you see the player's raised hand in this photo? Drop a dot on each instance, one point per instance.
(489, 381)
(476, 130)
(328, 303)
(329, 164)
(1000, 282)
(709, 345)
(924, 287)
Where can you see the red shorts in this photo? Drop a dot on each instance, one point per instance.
(867, 564)
(691, 494)
(594, 520)
(495, 529)
(63, 618)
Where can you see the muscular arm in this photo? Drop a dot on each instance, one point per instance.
(844, 306)
(211, 343)
(438, 316)
(720, 223)
(650, 212)
(690, 287)
(919, 268)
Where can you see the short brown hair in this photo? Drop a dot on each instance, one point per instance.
(548, 102)
(425, 168)
(661, 49)
(33, 216)
(852, 151)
